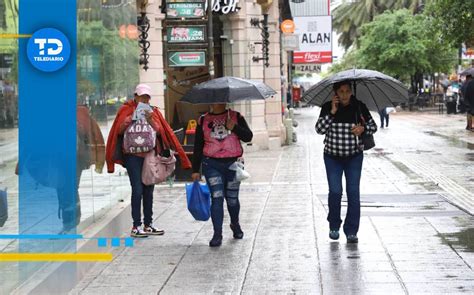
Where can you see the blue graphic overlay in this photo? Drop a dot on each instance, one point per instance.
(116, 242)
(48, 50)
(102, 242)
(47, 128)
(128, 242)
(41, 237)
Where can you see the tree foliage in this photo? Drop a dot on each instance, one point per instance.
(349, 61)
(349, 17)
(99, 42)
(401, 45)
(454, 19)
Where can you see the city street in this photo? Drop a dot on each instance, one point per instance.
(416, 232)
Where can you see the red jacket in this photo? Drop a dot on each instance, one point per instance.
(167, 135)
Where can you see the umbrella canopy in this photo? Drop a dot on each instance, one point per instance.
(227, 90)
(373, 88)
(467, 72)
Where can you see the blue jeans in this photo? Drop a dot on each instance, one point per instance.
(352, 169)
(140, 191)
(222, 184)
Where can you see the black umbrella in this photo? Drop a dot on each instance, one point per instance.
(227, 90)
(373, 88)
(467, 72)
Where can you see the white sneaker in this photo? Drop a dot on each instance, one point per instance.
(138, 232)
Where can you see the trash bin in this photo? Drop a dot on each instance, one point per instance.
(451, 107)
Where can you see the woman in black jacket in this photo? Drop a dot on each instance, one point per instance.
(343, 120)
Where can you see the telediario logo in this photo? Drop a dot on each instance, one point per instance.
(48, 50)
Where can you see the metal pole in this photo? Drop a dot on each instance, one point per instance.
(210, 37)
(290, 77)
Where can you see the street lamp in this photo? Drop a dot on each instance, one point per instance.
(143, 27)
(263, 26)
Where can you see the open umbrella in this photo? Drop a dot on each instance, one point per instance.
(467, 72)
(373, 88)
(227, 90)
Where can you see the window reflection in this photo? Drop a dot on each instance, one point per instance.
(107, 72)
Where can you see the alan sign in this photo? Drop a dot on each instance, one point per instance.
(186, 34)
(315, 38)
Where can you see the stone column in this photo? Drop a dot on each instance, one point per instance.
(154, 75)
(272, 77)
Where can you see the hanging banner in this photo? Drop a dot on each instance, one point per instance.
(310, 7)
(185, 9)
(186, 34)
(315, 39)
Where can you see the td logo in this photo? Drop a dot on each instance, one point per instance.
(48, 50)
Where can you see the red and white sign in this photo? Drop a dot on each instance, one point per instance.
(315, 38)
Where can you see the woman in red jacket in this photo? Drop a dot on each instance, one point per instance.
(134, 162)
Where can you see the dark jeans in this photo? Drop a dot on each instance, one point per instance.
(140, 191)
(352, 169)
(222, 185)
(383, 117)
(70, 207)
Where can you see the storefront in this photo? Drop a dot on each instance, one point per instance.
(107, 73)
(236, 52)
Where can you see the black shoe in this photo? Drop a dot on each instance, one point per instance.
(238, 233)
(352, 239)
(216, 240)
(334, 234)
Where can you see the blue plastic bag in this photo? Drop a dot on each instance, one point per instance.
(199, 200)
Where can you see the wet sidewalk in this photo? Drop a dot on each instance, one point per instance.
(414, 239)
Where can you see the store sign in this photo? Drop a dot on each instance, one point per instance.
(290, 42)
(185, 9)
(186, 58)
(186, 34)
(224, 6)
(315, 39)
(308, 68)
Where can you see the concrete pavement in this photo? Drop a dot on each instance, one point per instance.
(416, 236)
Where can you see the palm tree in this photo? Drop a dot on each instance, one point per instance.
(350, 16)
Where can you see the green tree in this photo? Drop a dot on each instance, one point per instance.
(350, 60)
(118, 59)
(349, 17)
(454, 19)
(400, 44)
